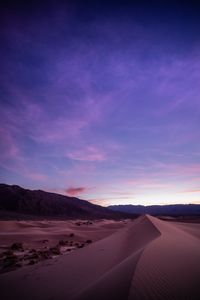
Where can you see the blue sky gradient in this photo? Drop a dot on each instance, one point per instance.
(101, 101)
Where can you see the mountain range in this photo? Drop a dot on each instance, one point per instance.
(17, 202)
(165, 210)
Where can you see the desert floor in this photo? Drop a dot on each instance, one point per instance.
(147, 258)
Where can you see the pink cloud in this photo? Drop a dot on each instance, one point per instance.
(191, 191)
(87, 154)
(74, 191)
(146, 182)
(38, 124)
(189, 170)
(20, 168)
(9, 148)
(35, 175)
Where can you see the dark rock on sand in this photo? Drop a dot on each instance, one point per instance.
(17, 246)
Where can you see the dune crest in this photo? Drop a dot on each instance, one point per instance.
(147, 259)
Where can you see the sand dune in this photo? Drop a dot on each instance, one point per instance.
(147, 259)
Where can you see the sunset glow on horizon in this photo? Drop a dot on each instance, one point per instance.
(102, 102)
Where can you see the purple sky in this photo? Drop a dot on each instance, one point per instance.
(102, 101)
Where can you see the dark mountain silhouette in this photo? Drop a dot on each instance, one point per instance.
(16, 201)
(165, 210)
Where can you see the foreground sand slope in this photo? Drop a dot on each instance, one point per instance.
(169, 267)
(148, 259)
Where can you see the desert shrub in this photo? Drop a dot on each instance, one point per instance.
(55, 250)
(62, 243)
(89, 241)
(17, 246)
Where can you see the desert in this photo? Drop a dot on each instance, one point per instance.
(100, 150)
(145, 258)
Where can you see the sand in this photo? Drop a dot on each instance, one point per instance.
(143, 259)
(27, 242)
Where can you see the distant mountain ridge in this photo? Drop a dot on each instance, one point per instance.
(170, 210)
(15, 200)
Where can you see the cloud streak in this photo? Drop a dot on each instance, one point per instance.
(110, 101)
(87, 154)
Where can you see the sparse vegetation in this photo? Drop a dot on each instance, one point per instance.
(89, 241)
(17, 246)
(62, 243)
(17, 256)
(55, 250)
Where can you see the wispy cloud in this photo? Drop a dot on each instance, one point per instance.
(192, 191)
(87, 154)
(82, 103)
(21, 168)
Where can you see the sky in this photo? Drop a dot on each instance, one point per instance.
(101, 100)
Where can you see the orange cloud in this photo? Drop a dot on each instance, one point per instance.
(192, 191)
